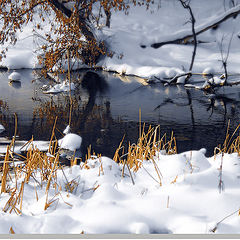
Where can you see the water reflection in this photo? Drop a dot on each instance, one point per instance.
(105, 108)
(15, 84)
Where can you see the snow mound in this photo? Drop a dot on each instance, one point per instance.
(71, 142)
(189, 203)
(14, 76)
(139, 228)
(216, 81)
(61, 87)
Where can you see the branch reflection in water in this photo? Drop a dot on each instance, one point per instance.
(105, 108)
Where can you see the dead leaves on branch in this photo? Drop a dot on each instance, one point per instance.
(63, 28)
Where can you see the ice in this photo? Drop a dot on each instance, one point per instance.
(21, 146)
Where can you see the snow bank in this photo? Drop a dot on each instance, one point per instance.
(130, 37)
(187, 200)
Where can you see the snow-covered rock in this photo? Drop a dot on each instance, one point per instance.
(70, 141)
(14, 76)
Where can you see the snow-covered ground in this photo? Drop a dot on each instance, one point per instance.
(185, 199)
(142, 28)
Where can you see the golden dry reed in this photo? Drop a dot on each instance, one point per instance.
(35, 163)
(149, 143)
(231, 143)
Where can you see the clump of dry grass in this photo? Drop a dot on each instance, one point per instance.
(39, 166)
(231, 143)
(146, 148)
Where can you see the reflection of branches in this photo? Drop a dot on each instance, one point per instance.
(189, 103)
(225, 101)
(224, 59)
(191, 107)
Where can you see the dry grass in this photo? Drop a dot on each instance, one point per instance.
(149, 143)
(41, 167)
(33, 165)
(231, 143)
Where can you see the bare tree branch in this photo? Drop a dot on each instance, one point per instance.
(180, 40)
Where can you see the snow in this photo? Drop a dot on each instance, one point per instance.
(22, 146)
(216, 80)
(61, 87)
(70, 141)
(14, 76)
(208, 70)
(66, 130)
(188, 201)
(2, 128)
(142, 28)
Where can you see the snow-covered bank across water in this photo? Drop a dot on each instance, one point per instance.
(177, 193)
(130, 38)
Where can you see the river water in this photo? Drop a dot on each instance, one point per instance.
(104, 114)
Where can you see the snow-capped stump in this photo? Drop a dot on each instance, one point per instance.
(14, 76)
(2, 128)
(70, 141)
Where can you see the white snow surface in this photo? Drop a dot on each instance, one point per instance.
(70, 141)
(66, 130)
(187, 200)
(22, 146)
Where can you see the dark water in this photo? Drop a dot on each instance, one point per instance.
(103, 115)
